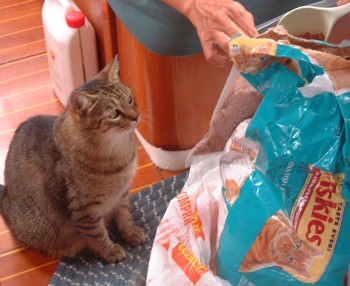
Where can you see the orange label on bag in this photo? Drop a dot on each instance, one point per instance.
(185, 206)
(238, 146)
(189, 263)
(317, 215)
(197, 225)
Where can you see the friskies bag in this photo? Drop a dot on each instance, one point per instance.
(286, 172)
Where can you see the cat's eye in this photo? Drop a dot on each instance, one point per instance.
(297, 244)
(115, 114)
(131, 99)
(289, 258)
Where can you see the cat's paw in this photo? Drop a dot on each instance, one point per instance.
(116, 254)
(136, 237)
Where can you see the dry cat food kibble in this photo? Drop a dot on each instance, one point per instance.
(309, 36)
(238, 101)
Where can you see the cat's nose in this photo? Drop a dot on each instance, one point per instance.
(133, 115)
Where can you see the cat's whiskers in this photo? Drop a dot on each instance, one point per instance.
(109, 147)
(116, 142)
(145, 118)
(103, 143)
(114, 139)
(107, 144)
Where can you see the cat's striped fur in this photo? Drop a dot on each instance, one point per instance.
(66, 177)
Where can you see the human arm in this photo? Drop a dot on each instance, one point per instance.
(342, 2)
(216, 21)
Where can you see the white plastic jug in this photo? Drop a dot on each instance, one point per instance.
(71, 46)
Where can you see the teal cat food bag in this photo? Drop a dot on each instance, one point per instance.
(286, 171)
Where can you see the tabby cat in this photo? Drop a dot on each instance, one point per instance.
(279, 245)
(66, 177)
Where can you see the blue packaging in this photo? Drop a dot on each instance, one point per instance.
(286, 172)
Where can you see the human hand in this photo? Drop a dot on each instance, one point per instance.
(216, 21)
(342, 2)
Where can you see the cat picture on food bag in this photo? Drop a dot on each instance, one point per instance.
(279, 245)
(68, 176)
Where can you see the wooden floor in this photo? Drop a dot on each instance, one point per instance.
(25, 91)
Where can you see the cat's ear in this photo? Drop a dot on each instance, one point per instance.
(110, 72)
(114, 71)
(79, 102)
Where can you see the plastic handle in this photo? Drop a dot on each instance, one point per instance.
(341, 11)
(66, 6)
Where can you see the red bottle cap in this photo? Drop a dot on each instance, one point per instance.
(75, 19)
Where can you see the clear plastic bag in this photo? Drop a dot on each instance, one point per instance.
(184, 249)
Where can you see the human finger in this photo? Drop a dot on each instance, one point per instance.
(241, 18)
(215, 54)
(231, 21)
(222, 27)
